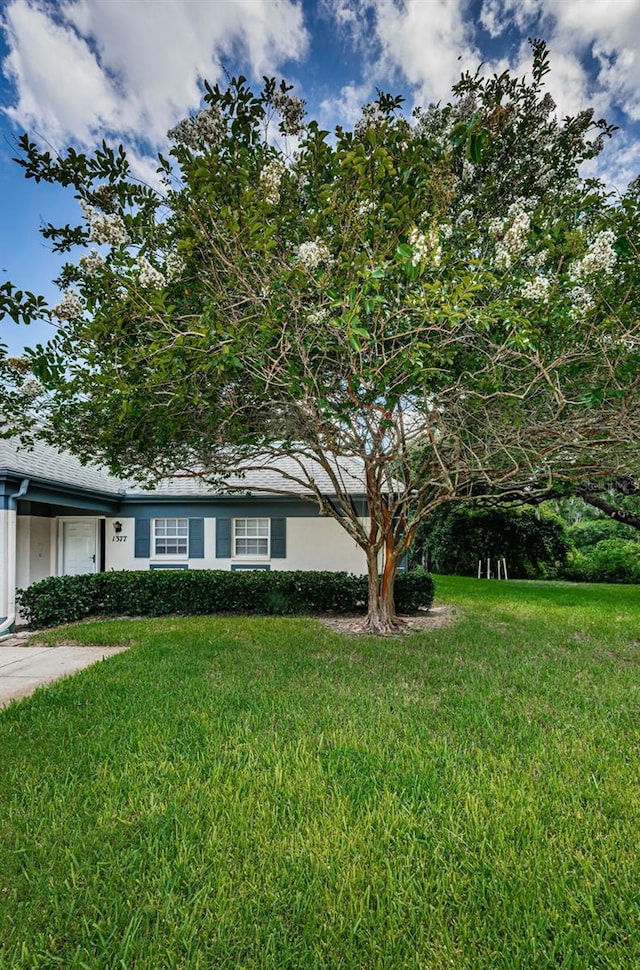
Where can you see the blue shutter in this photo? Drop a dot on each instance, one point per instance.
(142, 539)
(223, 538)
(278, 538)
(196, 538)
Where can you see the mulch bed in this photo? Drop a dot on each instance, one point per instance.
(433, 619)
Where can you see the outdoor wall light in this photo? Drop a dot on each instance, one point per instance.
(117, 527)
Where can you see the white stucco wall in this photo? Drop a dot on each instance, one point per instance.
(23, 551)
(320, 543)
(41, 547)
(312, 543)
(35, 549)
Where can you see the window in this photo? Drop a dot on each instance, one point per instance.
(251, 537)
(171, 537)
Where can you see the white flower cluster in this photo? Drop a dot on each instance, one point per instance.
(545, 176)
(105, 196)
(311, 254)
(536, 289)
(581, 301)
(70, 306)
(364, 208)
(571, 186)
(537, 260)
(514, 231)
(208, 127)
(174, 266)
(372, 117)
(426, 247)
(103, 228)
(468, 170)
(20, 365)
(31, 388)
(466, 216)
(599, 258)
(317, 317)
(270, 178)
(148, 275)
(291, 110)
(92, 262)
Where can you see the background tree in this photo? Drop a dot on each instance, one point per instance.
(441, 298)
(455, 537)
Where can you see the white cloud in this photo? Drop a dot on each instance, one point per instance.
(346, 109)
(61, 89)
(423, 43)
(348, 15)
(619, 163)
(497, 15)
(568, 81)
(429, 43)
(576, 31)
(85, 67)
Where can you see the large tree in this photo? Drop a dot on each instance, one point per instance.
(442, 297)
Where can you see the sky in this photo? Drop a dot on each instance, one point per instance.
(77, 71)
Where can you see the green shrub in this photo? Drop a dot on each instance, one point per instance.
(586, 534)
(63, 599)
(609, 561)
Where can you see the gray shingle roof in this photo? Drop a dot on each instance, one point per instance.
(270, 478)
(47, 464)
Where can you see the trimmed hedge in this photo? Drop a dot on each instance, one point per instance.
(64, 599)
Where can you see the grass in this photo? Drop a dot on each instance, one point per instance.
(264, 793)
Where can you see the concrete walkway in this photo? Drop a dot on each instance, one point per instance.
(23, 669)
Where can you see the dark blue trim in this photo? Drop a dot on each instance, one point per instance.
(70, 500)
(217, 507)
(68, 496)
(67, 504)
(239, 567)
(169, 565)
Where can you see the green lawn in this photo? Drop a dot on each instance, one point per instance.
(263, 793)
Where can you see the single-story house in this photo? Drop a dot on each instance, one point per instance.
(59, 517)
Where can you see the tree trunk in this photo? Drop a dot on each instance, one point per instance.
(381, 611)
(618, 515)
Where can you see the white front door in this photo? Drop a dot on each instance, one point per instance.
(78, 546)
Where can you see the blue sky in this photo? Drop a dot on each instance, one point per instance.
(77, 71)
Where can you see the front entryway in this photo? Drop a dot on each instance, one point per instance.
(79, 546)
